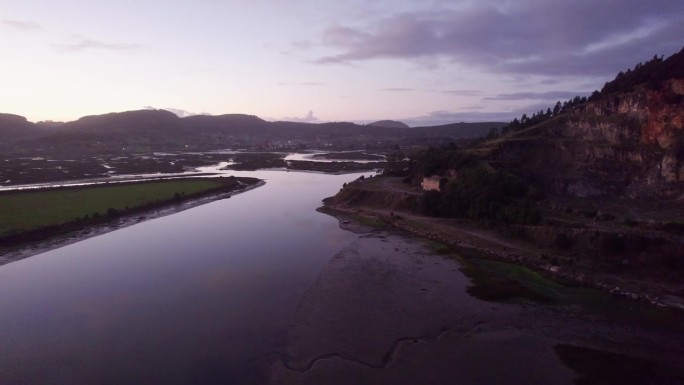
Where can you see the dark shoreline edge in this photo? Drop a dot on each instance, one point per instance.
(358, 216)
(54, 238)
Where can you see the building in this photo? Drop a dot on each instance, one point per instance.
(431, 183)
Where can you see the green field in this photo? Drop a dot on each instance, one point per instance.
(30, 210)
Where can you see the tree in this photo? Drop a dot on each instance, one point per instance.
(493, 133)
(396, 164)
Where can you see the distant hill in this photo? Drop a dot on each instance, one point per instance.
(160, 129)
(14, 128)
(121, 123)
(463, 130)
(388, 123)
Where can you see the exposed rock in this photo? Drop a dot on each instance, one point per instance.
(626, 144)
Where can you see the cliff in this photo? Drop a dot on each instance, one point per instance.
(627, 144)
(376, 194)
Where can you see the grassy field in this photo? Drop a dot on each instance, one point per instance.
(30, 210)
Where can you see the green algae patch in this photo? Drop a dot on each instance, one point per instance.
(492, 285)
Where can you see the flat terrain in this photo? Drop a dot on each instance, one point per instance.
(31, 210)
(388, 310)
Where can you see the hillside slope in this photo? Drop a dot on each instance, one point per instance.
(626, 141)
(146, 130)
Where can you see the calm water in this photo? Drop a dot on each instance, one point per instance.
(180, 299)
(195, 297)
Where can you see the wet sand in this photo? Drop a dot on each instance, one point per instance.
(387, 309)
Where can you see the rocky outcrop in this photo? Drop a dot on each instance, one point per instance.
(356, 195)
(629, 144)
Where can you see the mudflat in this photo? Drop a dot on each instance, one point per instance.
(389, 309)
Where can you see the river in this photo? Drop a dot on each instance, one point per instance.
(232, 291)
(166, 299)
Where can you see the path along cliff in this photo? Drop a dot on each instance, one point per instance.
(386, 201)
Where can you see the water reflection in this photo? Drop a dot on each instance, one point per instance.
(174, 298)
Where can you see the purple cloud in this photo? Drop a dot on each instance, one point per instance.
(462, 92)
(551, 95)
(397, 89)
(474, 115)
(21, 25)
(83, 44)
(309, 118)
(305, 84)
(581, 37)
(177, 111)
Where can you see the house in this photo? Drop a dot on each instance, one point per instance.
(431, 183)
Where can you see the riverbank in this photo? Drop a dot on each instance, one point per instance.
(38, 241)
(394, 308)
(472, 241)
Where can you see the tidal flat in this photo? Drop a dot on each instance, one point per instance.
(389, 308)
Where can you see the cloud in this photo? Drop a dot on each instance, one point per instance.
(305, 84)
(178, 112)
(437, 118)
(549, 81)
(475, 115)
(580, 37)
(551, 95)
(397, 89)
(462, 92)
(82, 44)
(21, 25)
(309, 118)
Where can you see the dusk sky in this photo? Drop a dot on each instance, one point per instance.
(421, 62)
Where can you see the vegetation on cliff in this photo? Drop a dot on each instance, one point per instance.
(625, 141)
(487, 196)
(470, 189)
(650, 75)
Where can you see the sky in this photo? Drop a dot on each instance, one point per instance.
(421, 62)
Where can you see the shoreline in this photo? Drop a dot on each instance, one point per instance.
(9, 254)
(390, 307)
(509, 251)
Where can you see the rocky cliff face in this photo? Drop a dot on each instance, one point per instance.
(626, 144)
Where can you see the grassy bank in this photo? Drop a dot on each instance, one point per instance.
(30, 211)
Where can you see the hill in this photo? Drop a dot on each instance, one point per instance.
(388, 123)
(627, 140)
(14, 128)
(146, 130)
(465, 130)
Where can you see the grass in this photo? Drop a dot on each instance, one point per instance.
(439, 247)
(372, 222)
(497, 286)
(31, 210)
(502, 281)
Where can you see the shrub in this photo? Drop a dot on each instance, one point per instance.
(564, 242)
(487, 196)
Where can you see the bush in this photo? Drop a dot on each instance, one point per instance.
(612, 245)
(564, 242)
(487, 196)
